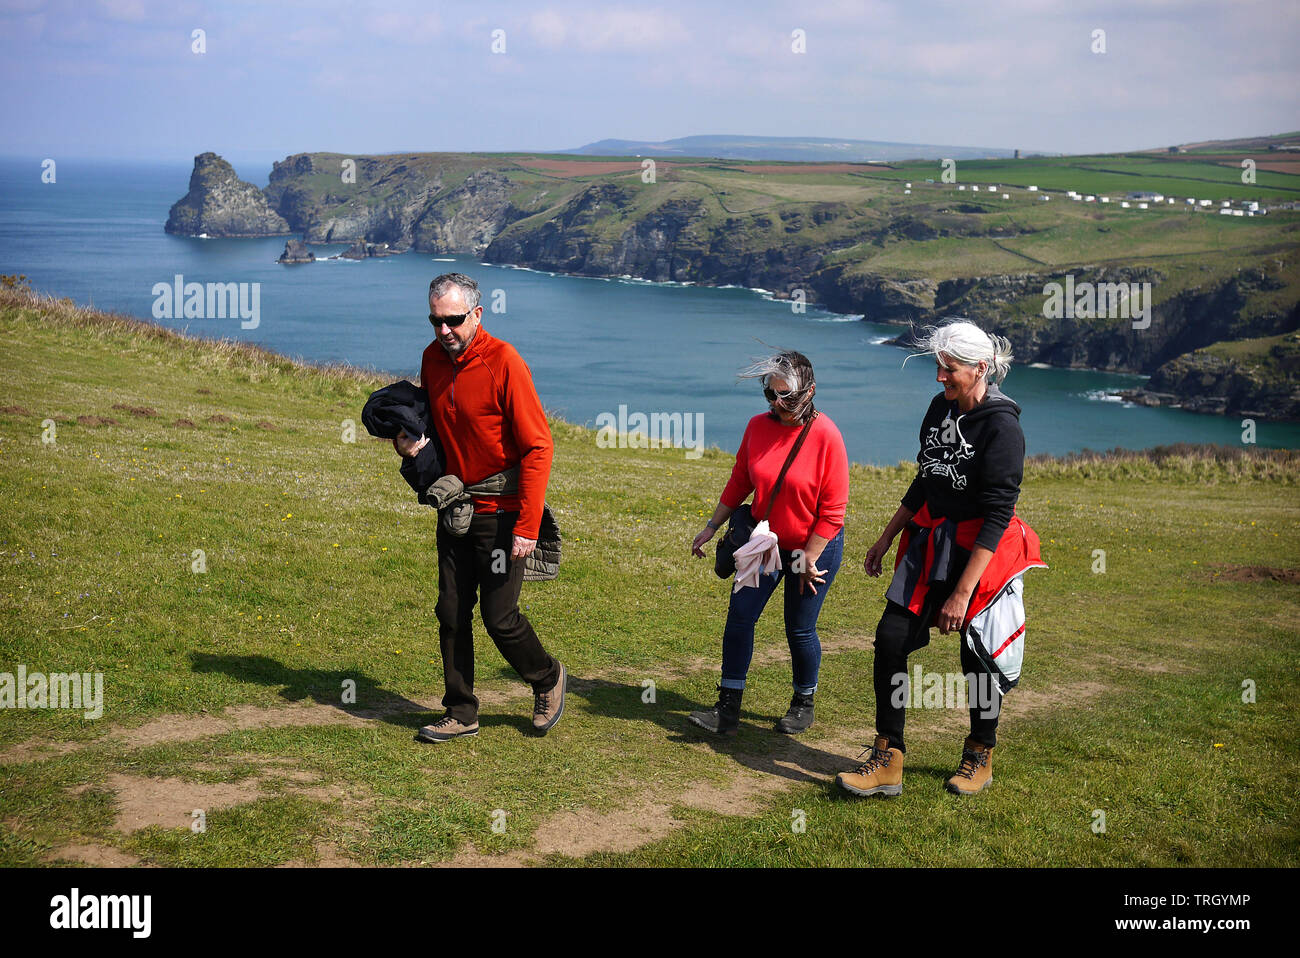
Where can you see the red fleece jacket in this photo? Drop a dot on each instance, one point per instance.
(488, 415)
(816, 489)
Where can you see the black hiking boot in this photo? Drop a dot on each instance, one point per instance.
(800, 715)
(723, 718)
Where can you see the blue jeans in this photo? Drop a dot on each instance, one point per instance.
(801, 613)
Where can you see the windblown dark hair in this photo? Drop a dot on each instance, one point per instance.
(797, 371)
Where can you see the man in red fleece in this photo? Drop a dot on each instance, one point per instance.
(485, 409)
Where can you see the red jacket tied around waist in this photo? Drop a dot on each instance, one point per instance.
(1017, 551)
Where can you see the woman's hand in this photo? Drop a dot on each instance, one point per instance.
(874, 562)
(811, 576)
(953, 613)
(720, 515)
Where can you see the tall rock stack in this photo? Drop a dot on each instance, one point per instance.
(296, 251)
(219, 203)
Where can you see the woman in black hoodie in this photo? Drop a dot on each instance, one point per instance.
(954, 516)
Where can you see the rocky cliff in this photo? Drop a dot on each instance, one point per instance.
(1256, 379)
(219, 203)
(548, 213)
(1188, 318)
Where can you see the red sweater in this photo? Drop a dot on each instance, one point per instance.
(816, 488)
(487, 413)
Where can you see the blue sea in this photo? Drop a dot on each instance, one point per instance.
(96, 235)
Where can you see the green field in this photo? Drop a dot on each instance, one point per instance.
(1212, 177)
(1117, 175)
(223, 687)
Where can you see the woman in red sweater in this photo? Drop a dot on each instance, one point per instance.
(807, 518)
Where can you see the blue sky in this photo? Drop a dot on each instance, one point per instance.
(118, 78)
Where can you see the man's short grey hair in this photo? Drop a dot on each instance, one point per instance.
(467, 286)
(965, 343)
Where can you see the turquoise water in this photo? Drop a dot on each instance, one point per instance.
(96, 235)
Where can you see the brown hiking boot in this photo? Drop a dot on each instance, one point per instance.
(549, 706)
(881, 774)
(975, 771)
(446, 729)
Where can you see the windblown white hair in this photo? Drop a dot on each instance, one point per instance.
(964, 342)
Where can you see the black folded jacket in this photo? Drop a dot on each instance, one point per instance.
(404, 407)
(400, 407)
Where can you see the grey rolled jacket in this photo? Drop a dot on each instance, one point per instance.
(453, 500)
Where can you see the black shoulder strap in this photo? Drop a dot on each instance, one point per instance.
(798, 443)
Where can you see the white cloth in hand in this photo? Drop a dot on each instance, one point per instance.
(757, 556)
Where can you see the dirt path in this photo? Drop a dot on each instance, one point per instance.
(170, 729)
(758, 776)
(576, 833)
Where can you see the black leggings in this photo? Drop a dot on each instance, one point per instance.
(900, 633)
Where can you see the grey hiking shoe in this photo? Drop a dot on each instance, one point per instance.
(800, 716)
(723, 718)
(549, 706)
(444, 730)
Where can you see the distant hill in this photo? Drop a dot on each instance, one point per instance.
(796, 148)
(1248, 144)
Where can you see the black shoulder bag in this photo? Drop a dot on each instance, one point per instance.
(742, 522)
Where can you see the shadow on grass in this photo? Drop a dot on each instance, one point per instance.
(757, 746)
(325, 687)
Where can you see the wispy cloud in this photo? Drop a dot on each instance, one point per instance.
(606, 29)
(114, 74)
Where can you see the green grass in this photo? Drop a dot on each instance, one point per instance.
(1250, 350)
(1117, 175)
(320, 569)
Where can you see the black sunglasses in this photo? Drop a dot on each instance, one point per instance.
(453, 322)
(771, 395)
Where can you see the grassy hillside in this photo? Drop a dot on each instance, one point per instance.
(842, 207)
(223, 688)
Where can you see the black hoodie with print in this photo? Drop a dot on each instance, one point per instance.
(971, 464)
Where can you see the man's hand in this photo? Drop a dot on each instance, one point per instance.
(406, 446)
(522, 547)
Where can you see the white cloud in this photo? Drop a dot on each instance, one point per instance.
(600, 29)
(315, 36)
(132, 11)
(401, 27)
(548, 28)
